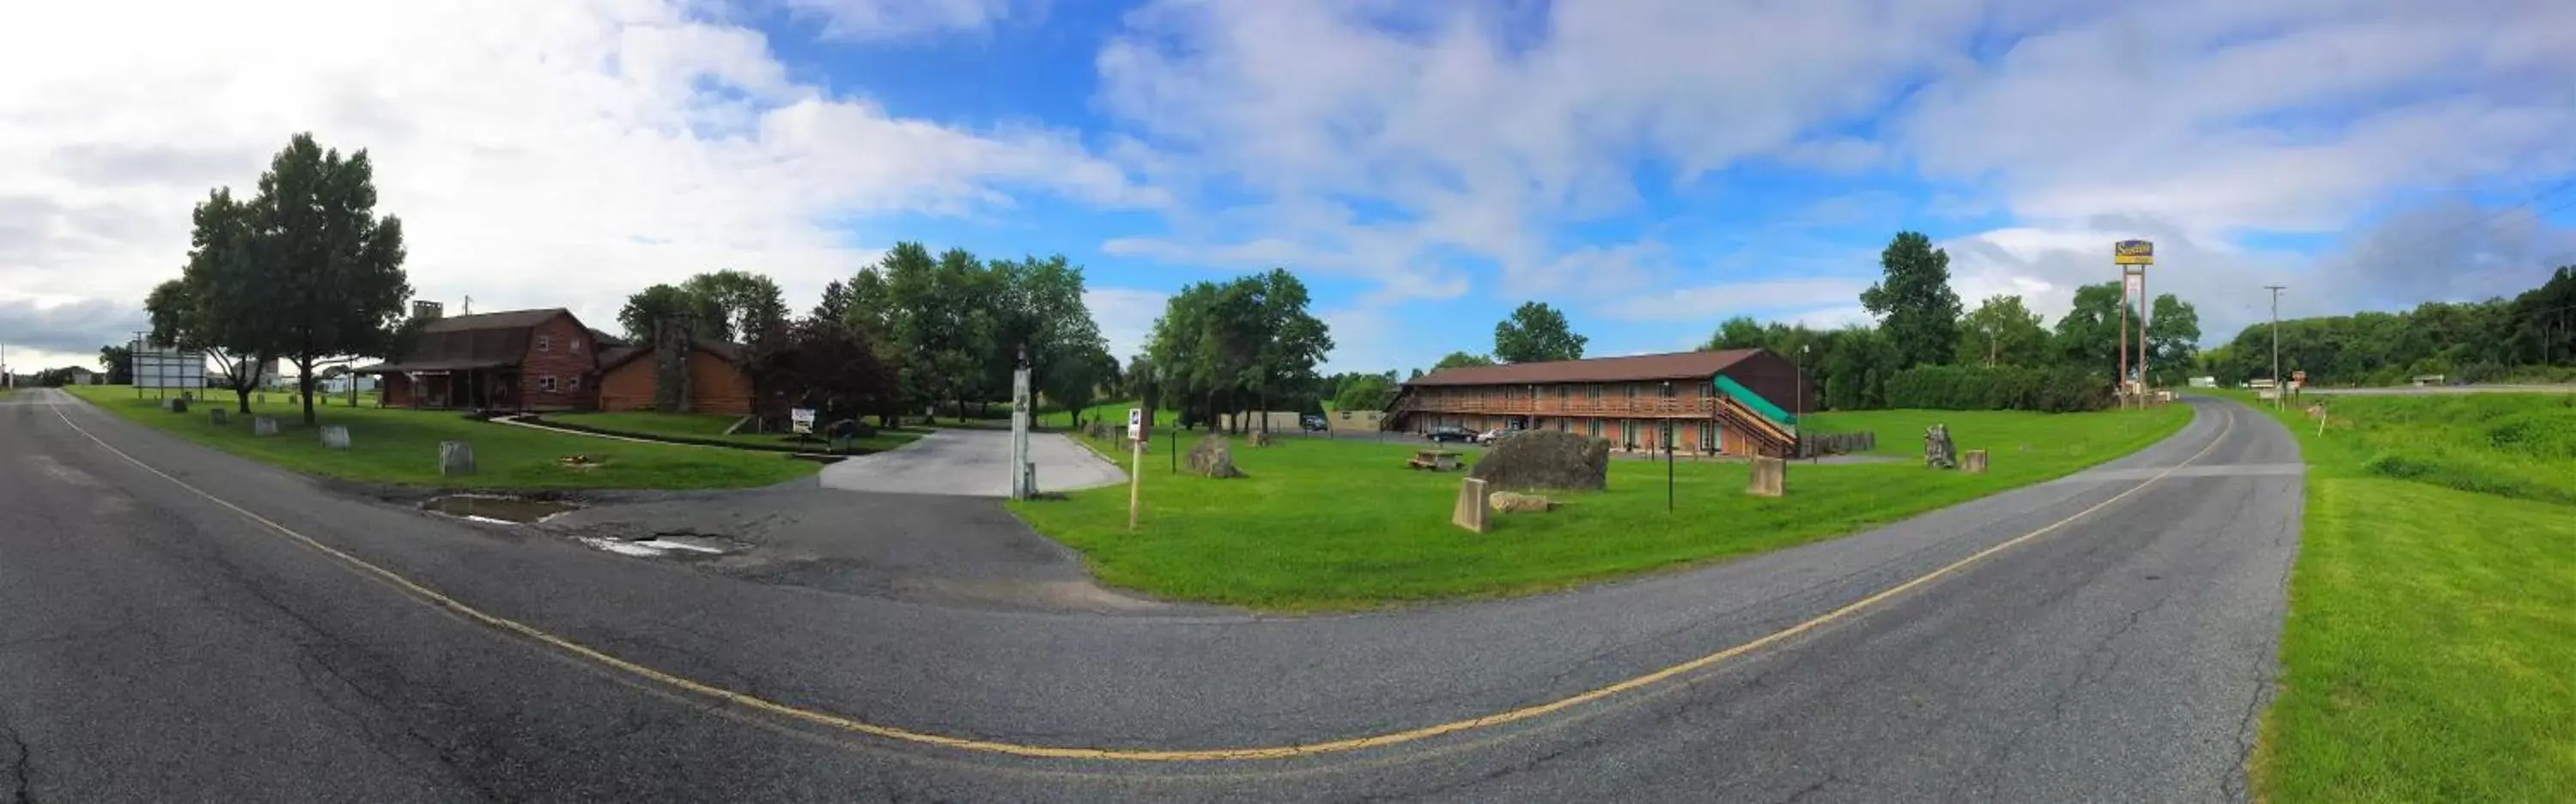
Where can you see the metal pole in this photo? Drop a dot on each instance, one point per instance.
(2143, 315)
(2277, 390)
(2121, 388)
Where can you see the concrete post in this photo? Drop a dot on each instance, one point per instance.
(1470, 512)
(1973, 461)
(1770, 477)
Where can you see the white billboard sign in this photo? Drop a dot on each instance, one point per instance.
(167, 368)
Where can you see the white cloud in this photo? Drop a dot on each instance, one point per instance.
(539, 155)
(1761, 299)
(1399, 136)
(1126, 317)
(888, 19)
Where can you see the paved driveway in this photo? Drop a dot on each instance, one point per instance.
(974, 463)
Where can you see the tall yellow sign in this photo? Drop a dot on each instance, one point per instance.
(2133, 252)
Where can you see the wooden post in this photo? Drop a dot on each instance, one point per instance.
(1135, 479)
(1973, 461)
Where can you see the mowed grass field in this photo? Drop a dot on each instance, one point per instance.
(1326, 524)
(2430, 653)
(401, 447)
(711, 427)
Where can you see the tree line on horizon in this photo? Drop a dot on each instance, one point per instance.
(2530, 337)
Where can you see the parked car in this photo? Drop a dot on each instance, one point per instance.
(1313, 424)
(1490, 436)
(1447, 434)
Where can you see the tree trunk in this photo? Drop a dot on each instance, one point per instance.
(304, 383)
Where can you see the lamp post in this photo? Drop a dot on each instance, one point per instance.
(1668, 453)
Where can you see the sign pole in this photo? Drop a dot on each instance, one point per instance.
(1135, 464)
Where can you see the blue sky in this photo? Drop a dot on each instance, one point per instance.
(1652, 168)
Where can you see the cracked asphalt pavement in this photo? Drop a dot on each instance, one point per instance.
(158, 646)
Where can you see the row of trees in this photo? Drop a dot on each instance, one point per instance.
(1920, 323)
(951, 328)
(302, 269)
(2531, 335)
(1231, 347)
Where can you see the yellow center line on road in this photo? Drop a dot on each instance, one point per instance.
(854, 726)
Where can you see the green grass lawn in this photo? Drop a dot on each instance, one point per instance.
(2432, 626)
(711, 427)
(1325, 524)
(401, 447)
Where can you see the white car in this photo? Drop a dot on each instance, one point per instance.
(1489, 436)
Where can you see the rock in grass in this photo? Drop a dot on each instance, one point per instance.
(1212, 457)
(1546, 459)
(1511, 502)
(263, 425)
(455, 458)
(335, 436)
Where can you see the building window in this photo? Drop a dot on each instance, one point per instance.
(545, 343)
(546, 383)
(575, 346)
(1596, 427)
(1708, 437)
(1596, 395)
(1628, 433)
(573, 384)
(1631, 391)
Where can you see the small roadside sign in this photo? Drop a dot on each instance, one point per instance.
(1135, 424)
(2300, 375)
(800, 421)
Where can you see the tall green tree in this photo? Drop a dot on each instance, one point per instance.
(2003, 332)
(2173, 341)
(214, 307)
(1855, 368)
(1223, 348)
(646, 309)
(1292, 341)
(1461, 360)
(305, 258)
(118, 361)
(1738, 332)
(1536, 332)
(753, 307)
(1365, 392)
(2088, 335)
(1917, 311)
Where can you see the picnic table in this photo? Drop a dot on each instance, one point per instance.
(1437, 460)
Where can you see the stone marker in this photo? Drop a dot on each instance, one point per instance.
(263, 426)
(1509, 502)
(177, 404)
(1770, 477)
(219, 416)
(335, 437)
(1973, 461)
(455, 458)
(1212, 458)
(1469, 513)
(1938, 451)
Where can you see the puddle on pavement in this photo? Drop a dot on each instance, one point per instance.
(502, 510)
(665, 546)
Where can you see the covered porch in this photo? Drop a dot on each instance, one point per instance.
(492, 386)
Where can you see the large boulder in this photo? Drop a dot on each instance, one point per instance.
(1545, 459)
(1212, 457)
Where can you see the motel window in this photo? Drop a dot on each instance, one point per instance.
(573, 384)
(1564, 394)
(1595, 390)
(545, 343)
(1631, 390)
(546, 383)
(1708, 437)
(1596, 428)
(575, 345)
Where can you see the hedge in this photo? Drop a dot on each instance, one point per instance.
(2055, 390)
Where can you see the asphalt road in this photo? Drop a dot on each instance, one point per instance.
(971, 462)
(159, 645)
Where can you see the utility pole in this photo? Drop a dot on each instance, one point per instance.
(2277, 388)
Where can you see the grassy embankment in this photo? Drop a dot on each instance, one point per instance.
(711, 427)
(2432, 624)
(401, 447)
(1324, 524)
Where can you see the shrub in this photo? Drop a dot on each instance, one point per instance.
(2055, 390)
